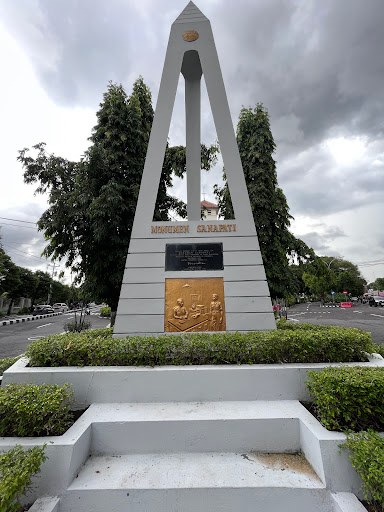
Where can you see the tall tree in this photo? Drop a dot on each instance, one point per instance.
(269, 205)
(93, 202)
(378, 284)
(336, 274)
(10, 281)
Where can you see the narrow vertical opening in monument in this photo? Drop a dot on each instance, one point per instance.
(191, 70)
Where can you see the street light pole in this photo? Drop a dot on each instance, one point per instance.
(50, 284)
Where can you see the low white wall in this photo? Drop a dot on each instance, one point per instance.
(110, 384)
(65, 455)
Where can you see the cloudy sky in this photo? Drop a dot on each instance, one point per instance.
(317, 66)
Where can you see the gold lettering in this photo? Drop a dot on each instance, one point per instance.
(175, 229)
(153, 229)
(215, 228)
(163, 229)
(186, 229)
(223, 227)
(199, 229)
(230, 227)
(203, 228)
(234, 227)
(209, 227)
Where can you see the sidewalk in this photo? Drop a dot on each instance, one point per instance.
(9, 320)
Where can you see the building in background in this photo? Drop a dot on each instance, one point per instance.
(209, 211)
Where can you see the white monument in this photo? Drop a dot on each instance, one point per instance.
(193, 275)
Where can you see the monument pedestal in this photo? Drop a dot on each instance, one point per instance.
(150, 293)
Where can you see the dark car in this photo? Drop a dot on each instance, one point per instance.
(43, 309)
(376, 301)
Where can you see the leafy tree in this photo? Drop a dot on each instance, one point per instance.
(93, 202)
(378, 284)
(333, 274)
(348, 277)
(41, 289)
(269, 205)
(9, 279)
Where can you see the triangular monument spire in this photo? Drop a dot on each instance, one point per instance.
(193, 275)
(189, 14)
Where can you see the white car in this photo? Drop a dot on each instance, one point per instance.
(60, 306)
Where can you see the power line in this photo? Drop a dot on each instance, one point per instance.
(22, 243)
(17, 225)
(28, 254)
(17, 220)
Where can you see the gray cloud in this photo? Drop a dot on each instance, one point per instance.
(20, 240)
(316, 66)
(321, 241)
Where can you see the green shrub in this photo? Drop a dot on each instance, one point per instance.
(290, 326)
(17, 466)
(105, 311)
(348, 398)
(35, 410)
(367, 458)
(6, 363)
(77, 325)
(23, 311)
(98, 348)
(379, 349)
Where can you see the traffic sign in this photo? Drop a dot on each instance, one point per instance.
(332, 292)
(345, 293)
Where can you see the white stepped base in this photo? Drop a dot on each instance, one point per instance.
(201, 500)
(197, 481)
(197, 471)
(120, 429)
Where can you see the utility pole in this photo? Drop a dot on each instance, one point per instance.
(54, 265)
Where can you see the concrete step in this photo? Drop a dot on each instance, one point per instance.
(119, 429)
(197, 481)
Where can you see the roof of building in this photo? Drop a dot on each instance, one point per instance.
(207, 204)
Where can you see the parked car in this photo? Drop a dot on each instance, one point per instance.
(375, 300)
(60, 306)
(43, 309)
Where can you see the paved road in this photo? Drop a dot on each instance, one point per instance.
(14, 339)
(363, 316)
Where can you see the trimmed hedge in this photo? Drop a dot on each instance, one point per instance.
(98, 348)
(17, 466)
(348, 398)
(367, 458)
(35, 410)
(6, 363)
(379, 349)
(282, 324)
(106, 311)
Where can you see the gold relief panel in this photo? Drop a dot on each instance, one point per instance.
(194, 305)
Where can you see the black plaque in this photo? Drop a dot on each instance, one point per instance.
(194, 257)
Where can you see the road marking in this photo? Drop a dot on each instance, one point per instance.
(45, 325)
(294, 319)
(359, 312)
(33, 338)
(296, 314)
(373, 314)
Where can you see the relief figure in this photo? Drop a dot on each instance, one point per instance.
(179, 311)
(216, 310)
